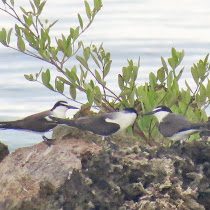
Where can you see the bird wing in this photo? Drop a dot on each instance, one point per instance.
(174, 124)
(28, 122)
(95, 124)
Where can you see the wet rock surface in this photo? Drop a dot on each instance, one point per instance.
(135, 177)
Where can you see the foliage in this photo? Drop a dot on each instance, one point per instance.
(94, 65)
(163, 89)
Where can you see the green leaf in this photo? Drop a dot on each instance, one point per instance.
(68, 51)
(28, 20)
(74, 69)
(53, 23)
(172, 63)
(33, 7)
(53, 52)
(21, 44)
(76, 77)
(37, 3)
(29, 77)
(71, 32)
(82, 61)
(180, 74)
(131, 98)
(203, 92)
(12, 2)
(187, 97)
(161, 74)
(164, 65)
(189, 88)
(181, 56)
(98, 93)
(90, 96)
(170, 79)
(208, 89)
(73, 91)
(59, 86)
(9, 35)
(201, 69)
(138, 62)
(195, 74)
(174, 54)
(3, 37)
(88, 11)
(24, 11)
(45, 54)
(120, 81)
(97, 4)
(40, 7)
(70, 76)
(152, 80)
(97, 90)
(76, 33)
(126, 74)
(206, 59)
(80, 21)
(135, 73)
(60, 45)
(17, 30)
(107, 57)
(31, 40)
(98, 76)
(86, 53)
(95, 60)
(182, 106)
(64, 80)
(92, 84)
(46, 77)
(107, 68)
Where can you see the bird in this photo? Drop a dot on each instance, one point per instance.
(175, 126)
(39, 122)
(103, 124)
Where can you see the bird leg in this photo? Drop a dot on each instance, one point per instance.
(178, 143)
(110, 144)
(48, 141)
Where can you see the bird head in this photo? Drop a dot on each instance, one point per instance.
(130, 110)
(60, 108)
(160, 112)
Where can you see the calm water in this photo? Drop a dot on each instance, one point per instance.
(128, 29)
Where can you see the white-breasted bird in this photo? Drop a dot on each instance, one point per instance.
(39, 122)
(175, 126)
(103, 124)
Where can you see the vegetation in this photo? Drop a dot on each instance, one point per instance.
(33, 38)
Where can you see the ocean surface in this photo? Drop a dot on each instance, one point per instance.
(128, 29)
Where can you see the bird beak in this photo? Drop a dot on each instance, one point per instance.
(72, 107)
(148, 113)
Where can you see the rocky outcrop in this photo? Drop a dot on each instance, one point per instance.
(74, 175)
(24, 172)
(4, 151)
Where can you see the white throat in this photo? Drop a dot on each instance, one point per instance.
(160, 115)
(60, 111)
(124, 119)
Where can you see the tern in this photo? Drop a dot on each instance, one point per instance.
(39, 122)
(175, 126)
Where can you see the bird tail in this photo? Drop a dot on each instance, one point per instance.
(205, 129)
(204, 126)
(5, 125)
(63, 121)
